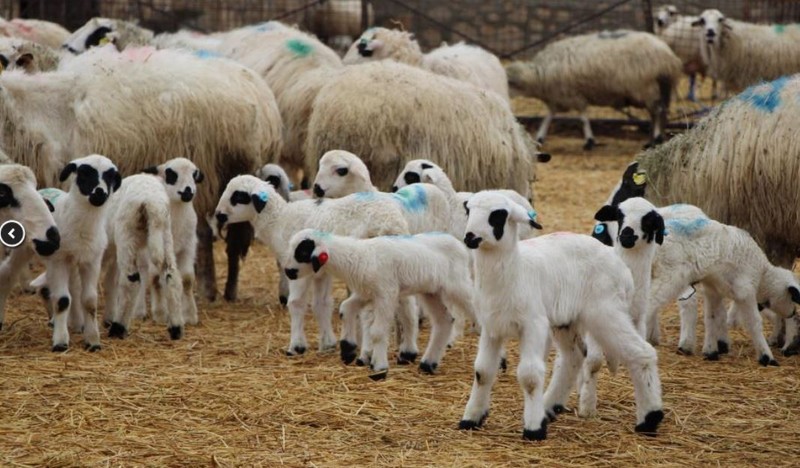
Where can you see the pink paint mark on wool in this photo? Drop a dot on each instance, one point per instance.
(138, 54)
(22, 27)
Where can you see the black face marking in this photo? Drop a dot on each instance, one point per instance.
(628, 188)
(50, 206)
(7, 197)
(411, 178)
(318, 192)
(607, 213)
(315, 264)
(198, 176)
(48, 247)
(170, 176)
(63, 303)
(795, 294)
(653, 227)
(362, 49)
(4, 61)
(95, 37)
(112, 178)
(151, 170)
(601, 233)
(24, 60)
(497, 219)
(466, 208)
(68, 169)
(258, 203)
(87, 177)
(240, 198)
(186, 194)
(472, 241)
(342, 171)
(222, 218)
(426, 166)
(274, 180)
(303, 251)
(394, 188)
(134, 278)
(291, 273)
(627, 238)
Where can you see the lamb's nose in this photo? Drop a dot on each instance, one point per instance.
(318, 192)
(472, 241)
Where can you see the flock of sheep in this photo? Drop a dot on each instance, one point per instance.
(150, 146)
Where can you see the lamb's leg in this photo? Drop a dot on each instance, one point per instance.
(9, 271)
(188, 304)
(110, 285)
(441, 327)
(587, 403)
(714, 317)
(614, 332)
(663, 290)
(692, 81)
(323, 311)
(171, 291)
(240, 236)
(587, 132)
(205, 260)
(531, 376)
(349, 310)
(565, 370)
(129, 279)
(365, 318)
(383, 313)
(486, 367)
(792, 341)
(283, 285)
(408, 318)
(58, 281)
(687, 307)
(90, 275)
(778, 334)
(747, 312)
(544, 126)
(140, 310)
(298, 303)
(75, 321)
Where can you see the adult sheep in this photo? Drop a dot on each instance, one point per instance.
(141, 108)
(742, 54)
(388, 113)
(41, 32)
(610, 68)
(27, 55)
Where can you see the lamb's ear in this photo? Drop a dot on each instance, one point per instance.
(198, 176)
(117, 181)
(519, 215)
(151, 170)
(260, 200)
(653, 227)
(699, 22)
(607, 213)
(795, 294)
(426, 166)
(69, 169)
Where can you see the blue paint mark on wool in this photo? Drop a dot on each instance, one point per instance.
(299, 47)
(412, 236)
(51, 194)
(412, 198)
(765, 96)
(686, 226)
(206, 54)
(268, 26)
(264, 196)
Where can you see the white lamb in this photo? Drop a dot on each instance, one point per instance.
(249, 199)
(141, 251)
(378, 271)
(566, 282)
(74, 269)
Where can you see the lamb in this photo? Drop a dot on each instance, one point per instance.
(179, 177)
(565, 282)
(460, 61)
(743, 54)
(721, 166)
(138, 226)
(46, 33)
(27, 55)
(20, 201)
(187, 39)
(248, 199)
(101, 31)
(74, 269)
(116, 104)
(382, 110)
(610, 68)
(378, 271)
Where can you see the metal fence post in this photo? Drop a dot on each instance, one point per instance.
(647, 9)
(364, 15)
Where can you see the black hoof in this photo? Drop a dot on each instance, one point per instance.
(538, 434)
(503, 364)
(651, 422)
(711, 356)
(765, 360)
(175, 333)
(790, 351)
(380, 375)
(360, 362)
(428, 368)
(723, 347)
(106, 323)
(347, 351)
(589, 144)
(299, 349)
(91, 347)
(540, 140)
(284, 300)
(406, 358)
(117, 330)
(685, 352)
(60, 348)
(467, 425)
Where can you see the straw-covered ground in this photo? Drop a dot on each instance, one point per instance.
(226, 395)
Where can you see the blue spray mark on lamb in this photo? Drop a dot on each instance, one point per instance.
(686, 226)
(765, 96)
(412, 198)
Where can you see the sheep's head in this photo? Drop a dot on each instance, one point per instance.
(277, 177)
(20, 201)
(635, 220)
(492, 220)
(243, 199)
(713, 22)
(179, 176)
(340, 174)
(665, 16)
(383, 43)
(413, 173)
(95, 177)
(307, 253)
(96, 32)
(783, 292)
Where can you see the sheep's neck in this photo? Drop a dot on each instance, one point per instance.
(268, 225)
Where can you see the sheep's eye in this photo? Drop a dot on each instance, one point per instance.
(342, 171)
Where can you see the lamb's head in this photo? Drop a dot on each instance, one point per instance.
(382, 43)
(492, 220)
(713, 22)
(520, 79)
(665, 16)
(95, 178)
(277, 177)
(96, 32)
(782, 291)
(307, 253)
(180, 177)
(413, 172)
(636, 219)
(244, 198)
(20, 201)
(17, 54)
(341, 173)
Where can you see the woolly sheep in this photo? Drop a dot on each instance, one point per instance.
(742, 54)
(722, 164)
(20, 201)
(378, 271)
(101, 31)
(460, 61)
(567, 283)
(138, 225)
(186, 39)
(220, 114)
(74, 269)
(27, 55)
(610, 68)
(387, 112)
(249, 199)
(46, 33)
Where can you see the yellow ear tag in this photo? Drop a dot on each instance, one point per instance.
(104, 41)
(639, 178)
(2, 68)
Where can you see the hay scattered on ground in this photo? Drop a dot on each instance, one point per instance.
(226, 395)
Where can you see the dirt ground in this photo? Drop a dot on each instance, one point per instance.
(226, 395)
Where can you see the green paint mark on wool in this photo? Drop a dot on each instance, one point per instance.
(780, 28)
(299, 47)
